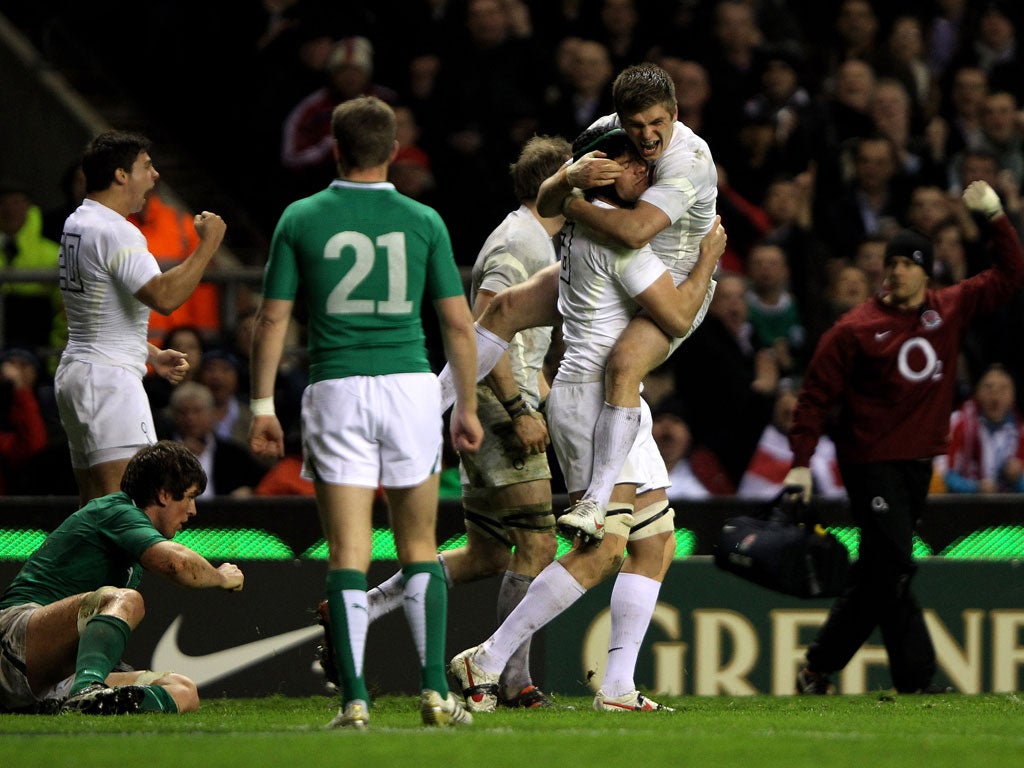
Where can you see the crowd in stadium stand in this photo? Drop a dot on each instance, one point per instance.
(834, 124)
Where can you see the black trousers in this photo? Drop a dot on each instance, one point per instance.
(886, 500)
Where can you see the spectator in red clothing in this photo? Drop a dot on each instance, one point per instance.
(986, 447)
(307, 142)
(22, 428)
(888, 367)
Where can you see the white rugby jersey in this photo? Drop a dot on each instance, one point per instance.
(104, 260)
(685, 188)
(595, 298)
(515, 250)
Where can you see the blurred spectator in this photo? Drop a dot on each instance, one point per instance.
(731, 59)
(992, 45)
(72, 189)
(847, 104)
(617, 27)
(23, 434)
(869, 257)
(904, 58)
(586, 94)
(730, 400)
(872, 201)
(693, 92)
(230, 467)
(782, 99)
(188, 340)
(1001, 135)
(772, 460)
(307, 143)
(848, 288)
(171, 236)
(855, 35)
(945, 32)
(891, 114)
(484, 107)
(986, 451)
(30, 310)
(962, 110)
(410, 171)
(771, 309)
(220, 371)
(672, 436)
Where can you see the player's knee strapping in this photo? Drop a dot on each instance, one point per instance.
(535, 518)
(653, 519)
(618, 519)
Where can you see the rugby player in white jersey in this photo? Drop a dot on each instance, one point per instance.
(601, 288)
(506, 486)
(671, 216)
(110, 281)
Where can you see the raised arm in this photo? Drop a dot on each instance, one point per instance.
(169, 290)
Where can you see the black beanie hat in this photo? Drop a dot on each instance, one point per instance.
(914, 246)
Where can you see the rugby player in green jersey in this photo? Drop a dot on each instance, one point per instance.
(66, 617)
(362, 257)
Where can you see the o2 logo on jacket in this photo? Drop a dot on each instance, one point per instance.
(918, 361)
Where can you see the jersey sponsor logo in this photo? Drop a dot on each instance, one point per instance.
(213, 666)
(881, 335)
(917, 360)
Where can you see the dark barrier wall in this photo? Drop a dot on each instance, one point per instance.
(712, 633)
(294, 520)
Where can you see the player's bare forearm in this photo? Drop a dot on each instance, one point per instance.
(169, 290)
(268, 337)
(190, 569)
(459, 338)
(694, 287)
(627, 227)
(553, 191)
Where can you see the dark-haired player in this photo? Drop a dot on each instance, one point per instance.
(67, 616)
(889, 367)
(109, 281)
(600, 290)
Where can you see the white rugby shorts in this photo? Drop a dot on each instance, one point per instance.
(572, 412)
(367, 431)
(104, 410)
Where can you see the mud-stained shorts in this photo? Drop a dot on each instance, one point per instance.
(499, 463)
(15, 692)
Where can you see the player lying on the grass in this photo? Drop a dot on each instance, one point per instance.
(600, 290)
(66, 617)
(672, 216)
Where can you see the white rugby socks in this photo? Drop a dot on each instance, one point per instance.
(618, 427)
(634, 598)
(554, 590)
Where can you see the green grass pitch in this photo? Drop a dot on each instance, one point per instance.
(880, 729)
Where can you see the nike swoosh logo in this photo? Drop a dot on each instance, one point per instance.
(881, 335)
(213, 666)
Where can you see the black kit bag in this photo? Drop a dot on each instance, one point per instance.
(784, 549)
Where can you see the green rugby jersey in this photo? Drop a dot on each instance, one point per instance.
(97, 546)
(364, 257)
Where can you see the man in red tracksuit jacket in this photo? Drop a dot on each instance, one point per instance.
(886, 371)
